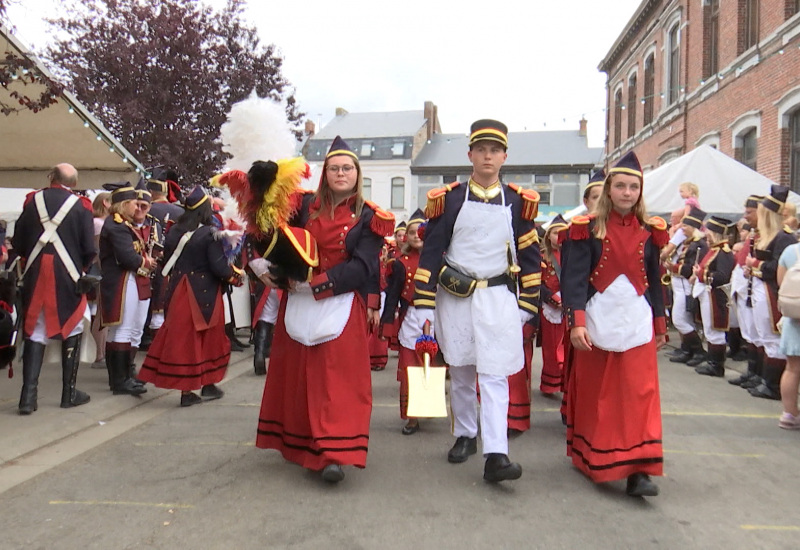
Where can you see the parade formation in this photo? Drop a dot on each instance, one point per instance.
(472, 280)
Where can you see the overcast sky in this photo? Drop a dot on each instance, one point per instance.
(531, 64)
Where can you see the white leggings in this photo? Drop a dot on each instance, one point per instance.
(269, 313)
(494, 407)
(134, 315)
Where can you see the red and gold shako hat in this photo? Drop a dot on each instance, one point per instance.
(488, 130)
(717, 224)
(694, 218)
(753, 200)
(121, 191)
(340, 147)
(197, 197)
(628, 164)
(598, 178)
(776, 199)
(417, 217)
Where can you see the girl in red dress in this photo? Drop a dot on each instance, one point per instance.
(318, 394)
(614, 307)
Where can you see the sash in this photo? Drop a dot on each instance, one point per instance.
(174, 258)
(50, 234)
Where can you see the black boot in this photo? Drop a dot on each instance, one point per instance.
(32, 357)
(70, 361)
(752, 359)
(758, 371)
(148, 335)
(259, 348)
(716, 361)
(132, 369)
(696, 347)
(736, 344)
(118, 359)
(684, 353)
(236, 345)
(499, 468)
(771, 386)
(268, 340)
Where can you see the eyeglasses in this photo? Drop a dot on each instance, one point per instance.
(346, 169)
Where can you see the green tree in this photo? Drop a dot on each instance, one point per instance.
(162, 75)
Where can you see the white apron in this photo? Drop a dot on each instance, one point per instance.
(484, 329)
(618, 319)
(313, 322)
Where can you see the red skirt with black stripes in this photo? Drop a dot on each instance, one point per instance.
(614, 413)
(318, 399)
(188, 352)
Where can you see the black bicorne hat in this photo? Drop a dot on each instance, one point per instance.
(197, 197)
(694, 218)
(121, 191)
(718, 225)
(776, 199)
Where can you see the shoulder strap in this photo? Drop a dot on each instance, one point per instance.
(174, 258)
(50, 233)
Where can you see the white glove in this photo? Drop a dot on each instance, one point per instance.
(525, 316)
(259, 266)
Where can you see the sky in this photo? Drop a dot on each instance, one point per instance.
(528, 63)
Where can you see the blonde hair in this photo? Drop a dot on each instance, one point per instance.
(605, 206)
(325, 195)
(117, 208)
(691, 187)
(769, 225)
(98, 204)
(715, 238)
(789, 210)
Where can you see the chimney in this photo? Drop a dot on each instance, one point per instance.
(340, 111)
(310, 128)
(430, 113)
(582, 127)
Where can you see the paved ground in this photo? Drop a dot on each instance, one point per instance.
(124, 473)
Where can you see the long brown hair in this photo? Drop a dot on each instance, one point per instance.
(325, 195)
(604, 207)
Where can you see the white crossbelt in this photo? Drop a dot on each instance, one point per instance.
(174, 258)
(50, 234)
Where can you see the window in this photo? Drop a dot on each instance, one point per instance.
(794, 151)
(632, 100)
(711, 38)
(366, 149)
(748, 24)
(792, 8)
(674, 67)
(649, 88)
(430, 180)
(398, 149)
(398, 192)
(749, 149)
(517, 178)
(366, 191)
(618, 119)
(541, 178)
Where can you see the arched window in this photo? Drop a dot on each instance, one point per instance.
(794, 151)
(674, 63)
(632, 101)
(748, 24)
(366, 190)
(398, 192)
(649, 88)
(710, 38)
(748, 152)
(618, 119)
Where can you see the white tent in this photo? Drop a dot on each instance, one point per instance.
(724, 182)
(31, 143)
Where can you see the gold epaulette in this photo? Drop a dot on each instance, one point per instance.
(435, 206)
(657, 222)
(579, 228)
(726, 248)
(787, 229)
(530, 201)
(118, 218)
(382, 222)
(658, 229)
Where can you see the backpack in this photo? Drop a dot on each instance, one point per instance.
(789, 291)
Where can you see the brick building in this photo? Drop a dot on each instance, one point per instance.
(725, 73)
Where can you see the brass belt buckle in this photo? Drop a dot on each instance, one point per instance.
(483, 283)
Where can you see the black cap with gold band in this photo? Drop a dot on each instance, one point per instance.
(718, 225)
(694, 218)
(197, 197)
(340, 147)
(417, 217)
(121, 191)
(142, 193)
(628, 164)
(776, 199)
(753, 200)
(488, 130)
(598, 178)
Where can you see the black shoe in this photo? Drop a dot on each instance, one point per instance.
(741, 379)
(765, 392)
(129, 387)
(410, 429)
(463, 448)
(753, 382)
(711, 370)
(189, 399)
(513, 433)
(211, 392)
(697, 359)
(499, 468)
(681, 357)
(640, 485)
(740, 355)
(332, 473)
